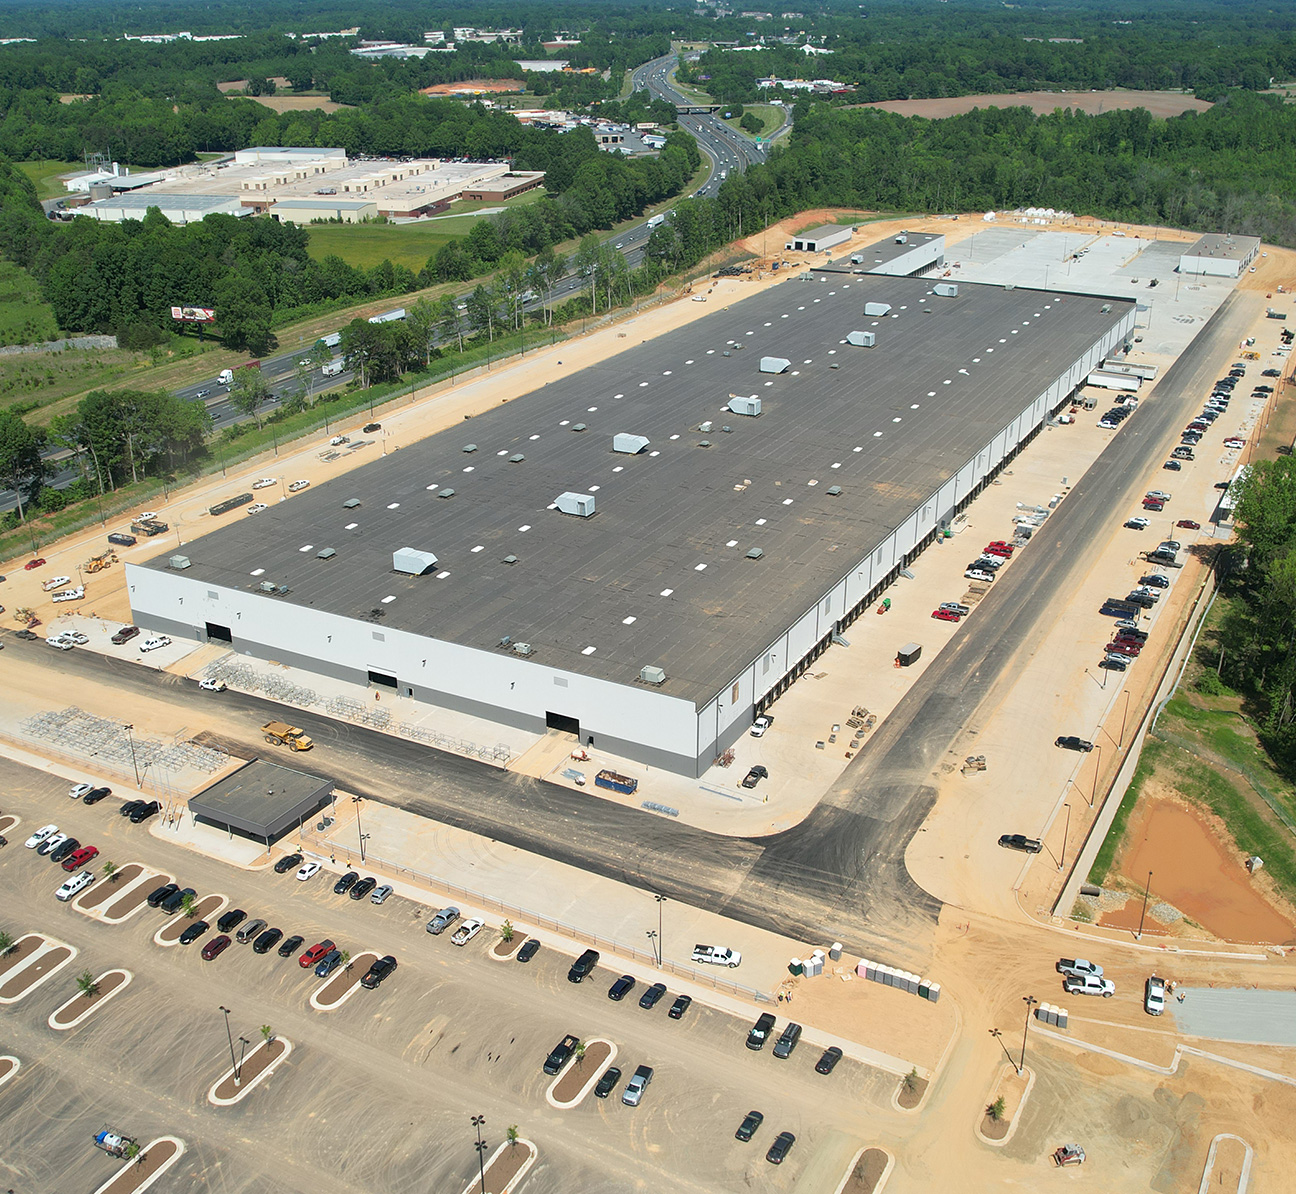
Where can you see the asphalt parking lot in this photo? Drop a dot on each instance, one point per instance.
(376, 1095)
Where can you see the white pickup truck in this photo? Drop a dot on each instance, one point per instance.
(717, 955)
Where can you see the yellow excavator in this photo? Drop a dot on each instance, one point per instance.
(100, 562)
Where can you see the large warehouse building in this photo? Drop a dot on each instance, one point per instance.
(650, 551)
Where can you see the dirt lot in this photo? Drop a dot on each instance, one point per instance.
(474, 87)
(1159, 103)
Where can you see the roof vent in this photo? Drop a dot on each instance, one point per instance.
(325, 553)
(580, 504)
(470, 447)
(877, 308)
(412, 561)
(516, 458)
(578, 426)
(446, 493)
(755, 553)
(704, 443)
(726, 429)
(350, 503)
(705, 427)
(179, 563)
(834, 490)
(652, 675)
(774, 364)
(523, 649)
(509, 560)
(861, 339)
(630, 444)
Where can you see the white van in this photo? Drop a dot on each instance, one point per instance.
(72, 886)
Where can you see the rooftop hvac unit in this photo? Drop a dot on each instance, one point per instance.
(630, 444)
(861, 339)
(652, 675)
(412, 561)
(325, 553)
(705, 427)
(877, 308)
(179, 563)
(834, 490)
(774, 364)
(755, 553)
(350, 503)
(580, 504)
(445, 493)
(946, 289)
(523, 649)
(470, 447)
(516, 458)
(578, 426)
(509, 560)
(745, 406)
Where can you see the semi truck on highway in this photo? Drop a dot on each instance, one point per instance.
(656, 221)
(225, 377)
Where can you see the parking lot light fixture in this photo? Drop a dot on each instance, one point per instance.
(1030, 1001)
(651, 934)
(661, 899)
(238, 1069)
(230, 1035)
(130, 737)
(477, 1121)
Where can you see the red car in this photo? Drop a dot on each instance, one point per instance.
(79, 858)
(997, 549)
(946, 615)
(1130, 649)
(34, 564)
(1006, 547)
(313, 955)
(215, 947)
(1188, 524)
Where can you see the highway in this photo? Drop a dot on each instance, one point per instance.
(724, 148)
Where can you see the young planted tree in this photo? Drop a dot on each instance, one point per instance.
(506, 931)
(266, 1033)
(86, 984)
(188, 905)
(6, 943)
(110, 870)
(512, 1135)
(996, 1109)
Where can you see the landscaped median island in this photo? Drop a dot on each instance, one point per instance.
(580, 1074)
(508, 944)
(913, 1090)
(94, 993)
(344, 982)
(1001, 1112)
(868, 1173)
(173, 930)
(142, 1171)
(8, 1067)
(28, 965)
(258, 1064)
(101, 893)
(506, 1167)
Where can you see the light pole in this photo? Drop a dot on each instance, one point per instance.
(1139, 935)
(1030, 1001)
(477, 1121)
(238, 1069)
(1124, 714)
(661, 899)
(1066, 833)
(362, 836)
(651, 934)
(1097, 770)
(130, 737)
(230, 1035)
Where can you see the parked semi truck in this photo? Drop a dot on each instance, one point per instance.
(279, 733)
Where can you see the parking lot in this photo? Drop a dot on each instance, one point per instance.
(450, 1034)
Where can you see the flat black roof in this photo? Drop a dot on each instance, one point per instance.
(262, 799)
(659, 576)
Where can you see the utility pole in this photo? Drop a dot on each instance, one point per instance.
(1139, 935)
(233, 1064)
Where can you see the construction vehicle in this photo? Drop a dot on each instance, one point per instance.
(100, 562)
(280, 733)
(150, 527)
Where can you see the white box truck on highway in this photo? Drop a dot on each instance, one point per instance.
(333, 368)
(656, 221)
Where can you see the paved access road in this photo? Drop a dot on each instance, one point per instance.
(377, 1095)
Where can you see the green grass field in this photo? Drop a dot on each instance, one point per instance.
(769, 116)
(25, 317)
(45, 174)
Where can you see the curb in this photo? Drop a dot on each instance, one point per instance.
(589, 1085)
(521, 1142)
(351, 990)
(157, 937)
(179, 1152)
(97, 913)
(522, 939)
(12, 1070)
(243, 1091)
(94, 1007)
(1244, 1178)
(855, 1160)
(50, 945)
(1016, 1119)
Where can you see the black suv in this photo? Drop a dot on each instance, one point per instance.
(161, 893)
(759, 1032)
(377, 972)
(344, 884)
(583, 967)
(171, 904)
(233, 918)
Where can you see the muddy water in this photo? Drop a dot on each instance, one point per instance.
(1195, 872)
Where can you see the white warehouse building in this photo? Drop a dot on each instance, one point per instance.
(653, 601)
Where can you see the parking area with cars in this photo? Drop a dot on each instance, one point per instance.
(452, 1020)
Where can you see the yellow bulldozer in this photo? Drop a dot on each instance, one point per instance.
(100, 562)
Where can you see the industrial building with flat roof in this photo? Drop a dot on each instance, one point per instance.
(821, 239)
(651, 550)
(1220, 254)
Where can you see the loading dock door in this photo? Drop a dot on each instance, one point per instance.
(383, 680)
(560, 721)
(218, 634)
